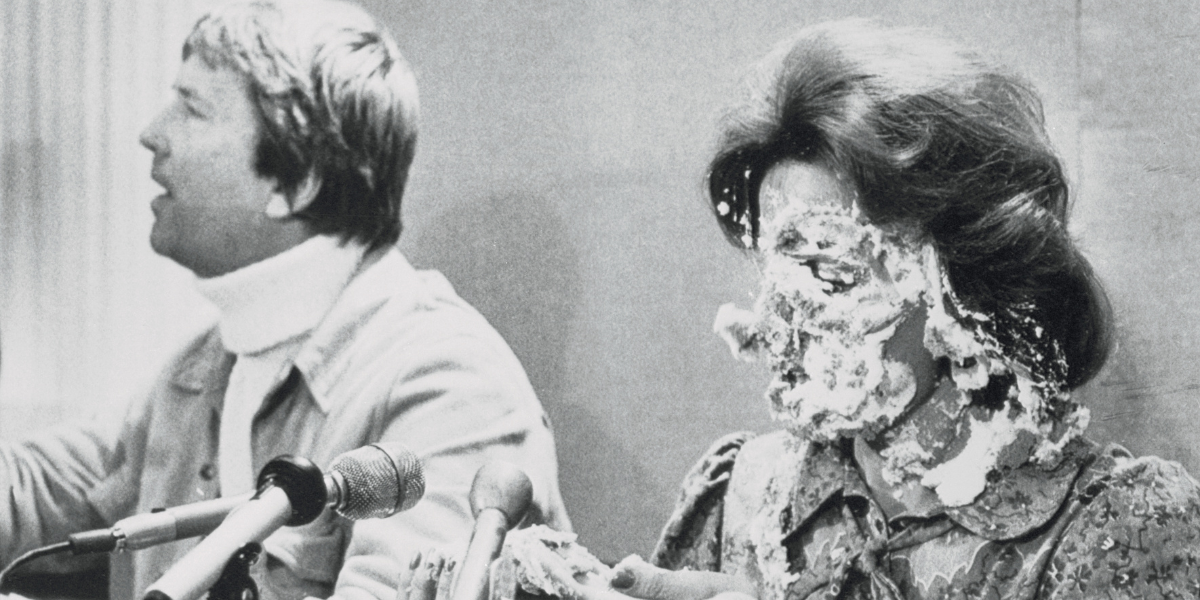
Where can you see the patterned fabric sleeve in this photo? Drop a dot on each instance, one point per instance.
(692, 536)
(1139, 538)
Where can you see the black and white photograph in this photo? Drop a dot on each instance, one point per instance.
(598, 300)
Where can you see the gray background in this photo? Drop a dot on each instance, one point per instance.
(558, 184)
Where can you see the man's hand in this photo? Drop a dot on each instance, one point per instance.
(635, 578)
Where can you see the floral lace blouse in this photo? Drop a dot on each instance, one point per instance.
(799, 521)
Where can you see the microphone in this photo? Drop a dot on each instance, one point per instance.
(374, 481)
(500, 496)
(157, 527)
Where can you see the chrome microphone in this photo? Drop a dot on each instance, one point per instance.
(375, 481)
(500, 496)
(157, 527)
(370, 482)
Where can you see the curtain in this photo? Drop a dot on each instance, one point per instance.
(88, 313)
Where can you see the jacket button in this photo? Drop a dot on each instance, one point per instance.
(208, 472)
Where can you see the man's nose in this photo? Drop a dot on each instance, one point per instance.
(152, 136)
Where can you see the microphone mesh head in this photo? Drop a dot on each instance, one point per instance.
(380, 480)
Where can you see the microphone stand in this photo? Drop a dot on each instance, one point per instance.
(235, 582)
(304, 485)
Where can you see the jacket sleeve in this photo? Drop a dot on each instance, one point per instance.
(47, 478)
(464, 402)
(63, 480)
(1137, 535)
(76, 477)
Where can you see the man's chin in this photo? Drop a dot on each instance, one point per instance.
(164, 245)
(159, 242)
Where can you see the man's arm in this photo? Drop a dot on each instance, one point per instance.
(47, 479)
(465, 405)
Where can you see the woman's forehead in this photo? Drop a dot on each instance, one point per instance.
(794, 183)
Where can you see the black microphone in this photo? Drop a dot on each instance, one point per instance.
(370, 482)
(500, 496)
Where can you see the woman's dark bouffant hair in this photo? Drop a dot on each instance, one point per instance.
(930, 134)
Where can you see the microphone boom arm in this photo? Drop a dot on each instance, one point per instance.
(292, 491)
(374, 481)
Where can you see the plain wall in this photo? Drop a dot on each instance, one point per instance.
(558, 185)
(559, 182)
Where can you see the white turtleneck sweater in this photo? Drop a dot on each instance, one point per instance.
(267, 311)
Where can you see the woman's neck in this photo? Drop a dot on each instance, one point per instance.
(933, 424)
(943, 432)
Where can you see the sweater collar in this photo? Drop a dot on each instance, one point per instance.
(383, 279)
(283, 297)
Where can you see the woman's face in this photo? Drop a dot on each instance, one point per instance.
(853, 318)
(841, 309)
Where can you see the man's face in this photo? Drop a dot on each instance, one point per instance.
(211, 216)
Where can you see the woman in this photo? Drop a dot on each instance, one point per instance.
(926, 315)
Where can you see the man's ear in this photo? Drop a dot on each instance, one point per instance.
(281, 206)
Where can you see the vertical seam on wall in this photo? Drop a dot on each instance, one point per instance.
(1078, 93)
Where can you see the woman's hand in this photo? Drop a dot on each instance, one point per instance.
(431, 573)
(635, 578)
(428, 577)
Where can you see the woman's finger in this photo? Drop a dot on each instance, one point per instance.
(404, 582)
(424, 585)
(446, 579)
(636, 578)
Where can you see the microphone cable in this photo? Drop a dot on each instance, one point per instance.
(58, 548)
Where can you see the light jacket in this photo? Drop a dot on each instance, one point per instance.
(400, 357)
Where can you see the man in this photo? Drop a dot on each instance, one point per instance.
(283, 158)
